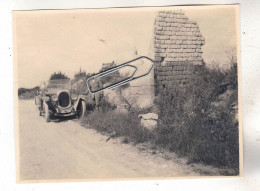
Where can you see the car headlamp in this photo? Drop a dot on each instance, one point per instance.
(54, 98)
(74, 97)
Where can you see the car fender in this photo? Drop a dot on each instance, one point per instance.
(45, 98)
(80, 98)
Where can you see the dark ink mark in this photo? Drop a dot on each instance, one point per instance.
(101, 40)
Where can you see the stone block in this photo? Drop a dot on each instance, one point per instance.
(187, 72)
(179, 42)
(173, 33)
(167, 33)
(183, 37)
(162, 54)
(159, 28)
(184, 21)
(168, 20)
(161, 14)
(177, 29)
(164, 45)
(189, 42)
(173, 37)
(161, 41)
(166, 37)
(168, 50)
(167, 41)
(159, 78)
(158, 19)
(198, 42)
(159, 50)
(168, 68)
(158, 32)
(157, 55)
(191, 50)
(179, 50)
(157, 41)
(156, 58)
(167, 59)
(199, 58)
(169, 73)
(193, 22)
(157, 45)
(178, 46)
(199, 50)
(183, 29)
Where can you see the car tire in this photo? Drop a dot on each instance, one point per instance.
(82, 109)
(46, 114)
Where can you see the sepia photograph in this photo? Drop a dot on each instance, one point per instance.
(127, 93)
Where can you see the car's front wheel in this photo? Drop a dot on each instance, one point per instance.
(82, 109)
(46, 111)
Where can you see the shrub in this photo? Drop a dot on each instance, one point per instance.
(198, 121)
(79, 82)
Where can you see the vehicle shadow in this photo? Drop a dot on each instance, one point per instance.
(61, 119)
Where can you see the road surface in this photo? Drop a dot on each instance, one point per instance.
(66, 150)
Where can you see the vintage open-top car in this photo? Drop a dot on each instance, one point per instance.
(57, 98)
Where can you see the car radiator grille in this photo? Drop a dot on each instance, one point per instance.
(64, 99)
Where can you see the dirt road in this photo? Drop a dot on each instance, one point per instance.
(66, 150)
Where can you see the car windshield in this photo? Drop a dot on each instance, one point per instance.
(61, 83)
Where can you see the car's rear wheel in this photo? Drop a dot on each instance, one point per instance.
(46, 111)
(82, 109)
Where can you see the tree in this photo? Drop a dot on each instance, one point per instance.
(81, 74)
(58, 75)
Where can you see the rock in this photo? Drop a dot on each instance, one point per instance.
(150, 124)
(148, 116)
(149, 120)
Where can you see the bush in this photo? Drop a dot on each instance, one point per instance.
(25, 93)
(79, 82)
(199, 121)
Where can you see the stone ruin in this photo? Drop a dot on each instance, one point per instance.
(177, 49)
(177, 54)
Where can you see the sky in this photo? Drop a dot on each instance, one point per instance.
(51, 41)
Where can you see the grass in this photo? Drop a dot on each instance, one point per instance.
(118, 124)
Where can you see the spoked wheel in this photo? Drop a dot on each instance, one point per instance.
(82, 109)
(46, 112)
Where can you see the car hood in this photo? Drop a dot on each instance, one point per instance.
(57, 91)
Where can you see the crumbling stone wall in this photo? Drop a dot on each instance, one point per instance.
(177, 49)
(177, 54)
